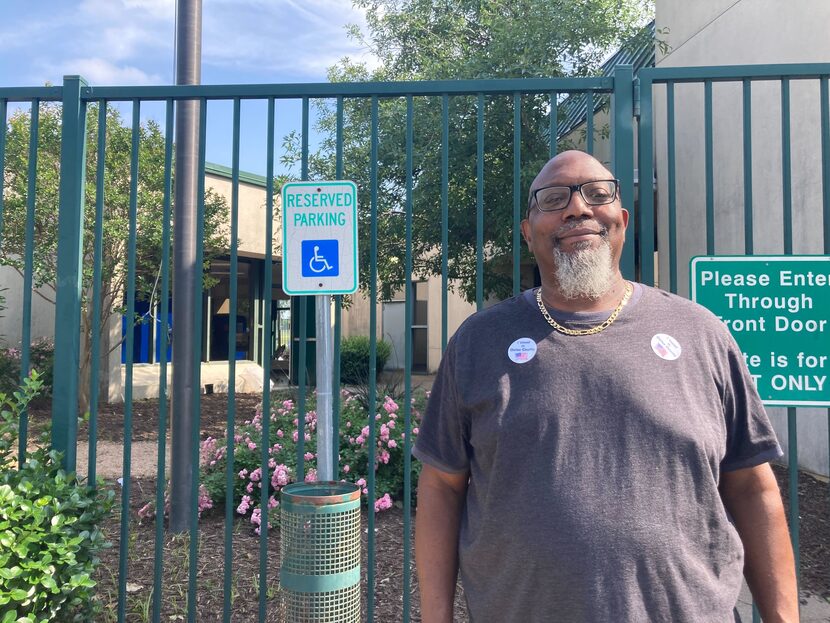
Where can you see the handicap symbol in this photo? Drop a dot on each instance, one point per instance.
(318, 263)
(320, 258)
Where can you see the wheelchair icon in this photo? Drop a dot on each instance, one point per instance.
(320, 258)
(318, 263)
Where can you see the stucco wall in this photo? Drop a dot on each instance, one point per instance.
(722, 32)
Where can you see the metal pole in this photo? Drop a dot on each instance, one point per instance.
(186, 275)
(325, 366)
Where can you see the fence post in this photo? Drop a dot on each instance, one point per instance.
(623, 161)
(69, 273)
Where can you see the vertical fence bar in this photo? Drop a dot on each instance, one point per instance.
(28, 263)
(710, 173)
(553, 123)
(231, 423)
(480, 202)
(517, 190)
(645, 129)
(824, 94)
(407, 394)
(672, 186)
(69, 274)
(445, 218)
(373, 296)
(158, 562)
(301, 372)
(197, 367)
(97, 253)
(589, 121)
(338, 308)
(786, 166)
(407, 459)
(792, 467)
(128, 376)
(3, 108)
(749, 244)
(624, 157)
(267, 354)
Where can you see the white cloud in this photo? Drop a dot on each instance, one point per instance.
(99, 71)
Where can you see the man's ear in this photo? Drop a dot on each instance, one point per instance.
(527, 235)
(625, 217)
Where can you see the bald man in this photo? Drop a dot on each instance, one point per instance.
(594, 450)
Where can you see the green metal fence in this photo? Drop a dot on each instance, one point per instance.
(677, 132)
(378, 101)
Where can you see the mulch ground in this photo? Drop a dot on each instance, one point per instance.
(814, 510)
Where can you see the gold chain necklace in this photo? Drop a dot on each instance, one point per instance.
(593, 330)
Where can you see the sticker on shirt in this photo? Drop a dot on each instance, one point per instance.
(522, 350)
(665, 347)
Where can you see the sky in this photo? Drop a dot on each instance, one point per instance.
(131, 42)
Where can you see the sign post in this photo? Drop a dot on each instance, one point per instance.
(319, 257)
(778, 310)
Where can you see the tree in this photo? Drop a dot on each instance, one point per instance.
(115, 219)
(459, 39)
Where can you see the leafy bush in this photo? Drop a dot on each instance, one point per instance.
(282, 468)
(41, 358)
(354, 358)
(49, 533)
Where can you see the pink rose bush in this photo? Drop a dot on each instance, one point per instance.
(377, 443)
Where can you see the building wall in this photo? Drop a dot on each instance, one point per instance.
(723, 32)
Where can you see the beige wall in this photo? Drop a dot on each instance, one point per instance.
(722, 32)
(251, 215)
(11, 318)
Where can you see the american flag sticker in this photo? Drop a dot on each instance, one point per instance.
(665, 347)
(522, 350)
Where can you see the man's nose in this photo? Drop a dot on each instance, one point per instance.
(577, 208)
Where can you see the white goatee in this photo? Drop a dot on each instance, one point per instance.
(585, 272)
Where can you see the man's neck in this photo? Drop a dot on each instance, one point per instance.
(552, 297)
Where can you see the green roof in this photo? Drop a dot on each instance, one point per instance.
(226, 172)
(637, 51)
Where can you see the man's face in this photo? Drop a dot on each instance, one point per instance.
(578, 227)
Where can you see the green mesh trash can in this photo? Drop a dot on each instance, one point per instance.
(320, 552)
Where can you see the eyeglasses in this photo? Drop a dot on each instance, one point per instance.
(596, 193)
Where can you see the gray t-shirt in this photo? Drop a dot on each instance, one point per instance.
(594, 461)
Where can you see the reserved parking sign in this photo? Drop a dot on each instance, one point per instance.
(319, 238)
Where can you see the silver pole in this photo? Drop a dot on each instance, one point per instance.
(325, 370)
(186, 275)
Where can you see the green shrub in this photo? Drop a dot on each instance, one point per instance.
(41, 358)
(49, 533)
(354, 358)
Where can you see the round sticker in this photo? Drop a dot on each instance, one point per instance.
(665, 347)
(522, 350)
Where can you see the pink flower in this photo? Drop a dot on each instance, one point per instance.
(250, 487)
(384, 503)
(280, 434)
(392, 444)
(287, 404)
(346, 469)
(348, 424)
(359, 440)
(390, 405)
(365, 432)
(256, 475)
(311, 475)
(384, 457)
(244, 505)
(280, 477)
(272, 502)
(361, 482)
(251, 445)
(415, 431)
(146, 511)
(391, 424)
(295, 435)
(308, 456)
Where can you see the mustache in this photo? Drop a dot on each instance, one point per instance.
(601, 229)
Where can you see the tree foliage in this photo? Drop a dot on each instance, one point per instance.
(458, 39)
(116, 214)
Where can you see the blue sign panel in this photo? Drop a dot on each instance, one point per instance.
(320, 258)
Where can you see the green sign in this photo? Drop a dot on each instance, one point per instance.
(778, 310)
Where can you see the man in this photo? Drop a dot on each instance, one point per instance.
(595, 450)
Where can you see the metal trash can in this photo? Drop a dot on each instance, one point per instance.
(320, 552)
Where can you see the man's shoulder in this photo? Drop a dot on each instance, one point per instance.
(493, 320)
(680, 309)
